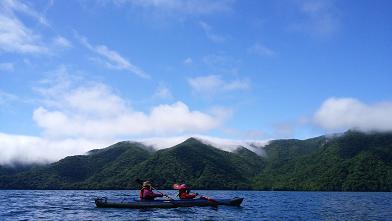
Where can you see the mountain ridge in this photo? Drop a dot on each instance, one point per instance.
(353, 161)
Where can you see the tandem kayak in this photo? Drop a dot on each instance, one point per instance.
(103, 202)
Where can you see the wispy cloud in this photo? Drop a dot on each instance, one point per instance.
(222, 143)
(261, 50)
(221, 62)
(7, 66)
(350, 113)
(15, 37)
(226, 77)
(5, 98)
(209, 32)
(62, 42)
(320, 17)
(163, 92)
(12, 6)
(212, 84)
(112, 59)
(188, 61)
(187, 7)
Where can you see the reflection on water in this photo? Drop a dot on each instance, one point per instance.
(258, 205)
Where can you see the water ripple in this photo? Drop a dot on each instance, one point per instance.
(258, 205)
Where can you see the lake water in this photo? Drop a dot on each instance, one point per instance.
(258, 205)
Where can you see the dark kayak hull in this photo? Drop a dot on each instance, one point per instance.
(137, 204)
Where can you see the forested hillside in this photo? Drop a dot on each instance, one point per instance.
(352, 161)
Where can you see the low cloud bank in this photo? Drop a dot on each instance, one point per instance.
(18, 149)
(221, 143)
(350, 113)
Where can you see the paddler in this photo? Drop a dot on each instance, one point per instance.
(146, 192)
(184, 192)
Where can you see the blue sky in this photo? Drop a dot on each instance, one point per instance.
(76, 75)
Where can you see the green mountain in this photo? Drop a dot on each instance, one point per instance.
(352, 161)
(99, 169)
(201, 166)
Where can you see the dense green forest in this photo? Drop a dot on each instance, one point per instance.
(353, 161)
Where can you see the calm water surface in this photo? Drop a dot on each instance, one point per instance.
(79, 205)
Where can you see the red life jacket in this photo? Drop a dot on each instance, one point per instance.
(142, 193)
(149, 195)
(184, 195)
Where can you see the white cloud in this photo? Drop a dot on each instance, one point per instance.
(76, 116)
(7, 66)
(14, 35)
(261, 50)
(349, 113)
(112, 59)
(31, 149)
(72, 111)
(12, 6)
(211, 84)
(211, 34)
(187, 7)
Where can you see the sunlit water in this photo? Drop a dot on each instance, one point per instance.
(258, 205)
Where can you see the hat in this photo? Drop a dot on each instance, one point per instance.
(180, 186)
(146, 183)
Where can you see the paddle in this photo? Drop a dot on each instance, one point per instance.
(140, 182)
